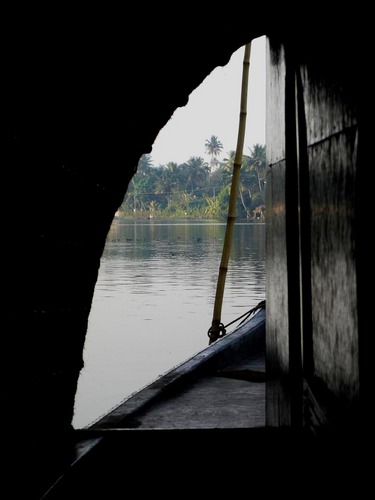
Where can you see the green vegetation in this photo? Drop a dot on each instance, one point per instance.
(197, 189)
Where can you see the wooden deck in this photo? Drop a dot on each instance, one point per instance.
(222, 386)
(219, 390)
(231, 398)
(199, 429)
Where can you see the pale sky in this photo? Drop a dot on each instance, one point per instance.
(214, 109)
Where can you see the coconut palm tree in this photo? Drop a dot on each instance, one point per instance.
(196, 173)
(168, 180)
(213, 148)
(140, 186)
(244, 186)
(258, 161)
(144, 164)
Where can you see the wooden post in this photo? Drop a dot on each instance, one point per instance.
(217, 329)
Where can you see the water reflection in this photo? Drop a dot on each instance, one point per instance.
(154, 300)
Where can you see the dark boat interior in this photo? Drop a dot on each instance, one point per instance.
(85, 93)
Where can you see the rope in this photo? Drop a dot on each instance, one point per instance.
(245, 316)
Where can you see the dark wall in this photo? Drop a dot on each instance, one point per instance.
(84, 95)
(316, 198)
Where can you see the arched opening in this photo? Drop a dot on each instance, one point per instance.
(154, 295)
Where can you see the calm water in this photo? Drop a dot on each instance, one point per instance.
(154, 300)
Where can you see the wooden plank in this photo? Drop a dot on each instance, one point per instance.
(235, 347)
(210, 402)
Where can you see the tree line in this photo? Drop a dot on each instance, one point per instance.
(197, 188)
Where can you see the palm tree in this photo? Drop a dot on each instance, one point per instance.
(258, 161)
(243, 191)
(169, 178)
(144, 164)
(140, 184)
(196, 173)
(213, 148)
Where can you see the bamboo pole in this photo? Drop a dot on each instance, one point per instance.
(217, 329)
